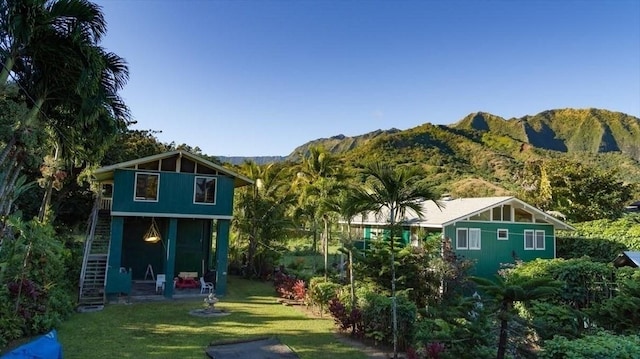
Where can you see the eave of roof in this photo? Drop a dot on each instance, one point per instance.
(460, 209)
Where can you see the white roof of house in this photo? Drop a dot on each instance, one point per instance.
(104, 173)
(446, 212)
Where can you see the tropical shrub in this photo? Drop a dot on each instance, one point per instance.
(602, 345)
(321, 292)
(346, 318)
(583, 281)
(35, 292)
(624, 230)
(550, 319)
(462, 325)
(376, 316)
(598, 249)
(620, 314)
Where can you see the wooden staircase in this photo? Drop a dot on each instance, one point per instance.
(94, 265)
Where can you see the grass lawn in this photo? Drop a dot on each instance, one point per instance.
(166, 330)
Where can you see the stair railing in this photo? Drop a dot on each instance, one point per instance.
(93, 220)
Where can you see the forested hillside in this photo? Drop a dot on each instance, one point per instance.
(484, 154)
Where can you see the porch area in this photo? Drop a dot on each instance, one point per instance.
(145, 290)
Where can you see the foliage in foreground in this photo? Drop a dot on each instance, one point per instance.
(602, 345)
(35, 288)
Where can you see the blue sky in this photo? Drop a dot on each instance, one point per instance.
(247, 78)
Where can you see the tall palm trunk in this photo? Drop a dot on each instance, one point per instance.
(48, 188)
(7, 186)
(7, 149)
(6, 69)
(504, 331)
(325, 245)
(394, 304)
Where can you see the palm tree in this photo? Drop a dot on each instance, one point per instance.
(317, 179)
(505, 294)
(397, 190)
(347, 206)
(51, 52)
(261, 207)
(26, 24)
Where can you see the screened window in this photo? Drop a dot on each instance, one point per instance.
(482, 216)
(474, 238)
(540, 240)
(205, 190)
(462, 242)
(503, 234)
(502, 213)
(534, 240)
(468, 238)
(522, 216)
(147, 186)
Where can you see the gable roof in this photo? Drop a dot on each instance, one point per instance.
(447, 212)
(106, 173)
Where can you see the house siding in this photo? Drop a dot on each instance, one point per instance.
(175, 195)
(493, 252)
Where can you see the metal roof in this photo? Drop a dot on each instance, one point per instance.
(627, 257)
(106, 173)
(446, 212)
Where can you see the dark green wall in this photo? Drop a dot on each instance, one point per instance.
(175, 195)
(494, 251)
(193, 241)
(406, 234)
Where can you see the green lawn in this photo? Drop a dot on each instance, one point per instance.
(166, 330)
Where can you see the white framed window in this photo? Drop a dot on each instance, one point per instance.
(540, 240)
(503, 234)
(474, 238)
(462, 240)
(534, 240)
(146, 187)
(468, 238)
(204, 190)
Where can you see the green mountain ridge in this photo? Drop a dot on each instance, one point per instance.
(566, 130)
(483, 154)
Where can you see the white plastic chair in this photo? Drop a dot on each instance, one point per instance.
(205, 285)
(160, 279)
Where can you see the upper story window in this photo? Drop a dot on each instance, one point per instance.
(502, 213)
(204, 190)
(522, 216)
(147, 187)
(482, 216)
(534, 240)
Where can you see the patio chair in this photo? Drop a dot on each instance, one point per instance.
(205, 285)
(160, 279)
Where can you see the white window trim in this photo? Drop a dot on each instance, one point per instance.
(524, 238)
(479, 232)
(458, 230)
(535, 240)
(468, 233)
(215, 189)
(506, 237)
(135, 187)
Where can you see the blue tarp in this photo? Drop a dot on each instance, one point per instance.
(45, 347)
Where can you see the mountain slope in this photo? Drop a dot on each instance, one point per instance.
(484, 154)
(339, 143)
(566, 130)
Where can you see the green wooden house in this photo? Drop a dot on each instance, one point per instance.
(166, 214)
(489, 231)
